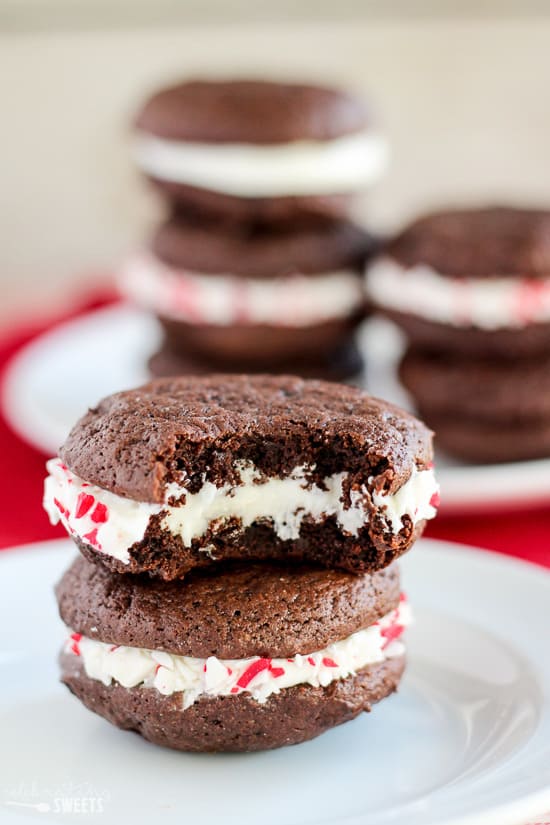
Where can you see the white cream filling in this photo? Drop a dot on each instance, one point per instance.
(193, 677)
(344, 164)
(283, 501)
(223, 300)
(485, 303)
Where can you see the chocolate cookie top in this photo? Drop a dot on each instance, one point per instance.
(255, 252)
(250, 111)
(478, 243)
(231, 613)
(136, 442)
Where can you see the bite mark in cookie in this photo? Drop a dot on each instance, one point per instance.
(201, 468)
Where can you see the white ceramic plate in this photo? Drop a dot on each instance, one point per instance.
(59, 375)
(466, 741)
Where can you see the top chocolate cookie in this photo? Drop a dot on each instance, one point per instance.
(478, 243)
(254, 252)
(182, 472)
(258, 151)
(251, 111)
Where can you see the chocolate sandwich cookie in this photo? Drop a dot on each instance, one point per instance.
(472, 281)
(483, 409)
(257, 150)
(254, 299)
(183, 473)
(238, 659)
(345, 362)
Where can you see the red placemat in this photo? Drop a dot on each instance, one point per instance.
(22, 517)
(522, 533)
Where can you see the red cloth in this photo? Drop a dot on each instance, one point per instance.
(522, 533)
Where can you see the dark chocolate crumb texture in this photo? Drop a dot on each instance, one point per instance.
(239, 658)
(181, 473)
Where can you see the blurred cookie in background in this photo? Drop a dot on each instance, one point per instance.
(258, 150)
(251, 298)
(482, 409)
(475, 281)
(345, 363)
(470, 288)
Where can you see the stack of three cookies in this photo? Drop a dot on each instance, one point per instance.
(238, 588)
(257, 267)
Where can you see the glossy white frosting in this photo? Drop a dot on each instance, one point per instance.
(308, 167)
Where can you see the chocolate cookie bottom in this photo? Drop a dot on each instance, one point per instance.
(486, 389)
(483, 410)
(234, 723)
(432, 336)
(481, 442)
(344, 362)
(232, 209)
(321, 545)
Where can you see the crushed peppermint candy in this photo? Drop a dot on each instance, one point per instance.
(258, 676)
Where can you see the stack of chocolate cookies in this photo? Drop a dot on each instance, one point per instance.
(471, 290)
(257, 267)
(237, 587)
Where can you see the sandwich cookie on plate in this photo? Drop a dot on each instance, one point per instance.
(241, 659)
(185, 473)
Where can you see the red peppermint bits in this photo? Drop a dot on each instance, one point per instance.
(229, 671)
(84, 503)
(62, 510)
(75, 648)
(91, 538)
(329, 662)
(100, 513)
(276, 671)
(311, 661)
(435, 500)
(391, 633)
(430, 465)
(234, 690)
(252, 671)
(402, 597)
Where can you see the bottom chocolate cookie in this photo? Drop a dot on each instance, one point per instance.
(482, 442)
(232, 209)
(482, 409)
(344, 362)
(234, 723)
